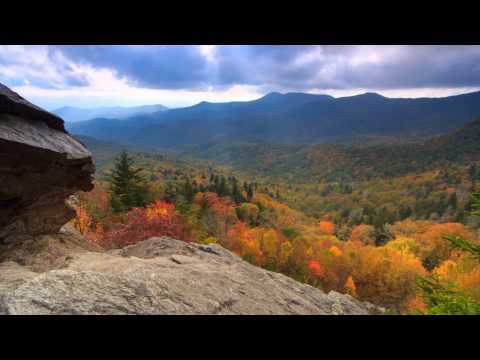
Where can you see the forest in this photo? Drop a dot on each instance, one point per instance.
(407, 241)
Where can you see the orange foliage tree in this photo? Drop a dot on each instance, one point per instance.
(363, 233)
(326, 227)
(244, 242)
(351, 287)
(316, 269)
(434, 249)
(82, 220)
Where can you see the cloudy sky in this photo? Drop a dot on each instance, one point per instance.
(91, 76)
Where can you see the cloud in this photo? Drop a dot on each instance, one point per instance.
(213, 70)
(350, 67)
(37, 65)
(152, 66)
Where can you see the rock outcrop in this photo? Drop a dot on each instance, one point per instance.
(60, 274)
(40, 166)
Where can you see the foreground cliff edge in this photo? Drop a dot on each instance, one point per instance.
(49, 269)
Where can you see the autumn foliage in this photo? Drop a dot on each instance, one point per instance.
(326, 227)
(351, 287)
(269, 233)
(82, 221)
(158, 219)
(316, 269)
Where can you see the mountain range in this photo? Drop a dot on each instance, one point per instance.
(330, 162)
(74, 114)
(292, 118)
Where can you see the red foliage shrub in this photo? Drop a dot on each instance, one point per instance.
(316, 269)
(158, 219)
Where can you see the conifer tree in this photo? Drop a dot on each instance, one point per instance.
(188, 191)
(222, 187)
(127, 185)
(250, 192)
(473, 173)
(236, 193)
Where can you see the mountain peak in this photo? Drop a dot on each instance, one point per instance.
(272, 95)
(373, 95)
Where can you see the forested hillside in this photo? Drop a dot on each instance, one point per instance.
(292, 118)
(337, 162)
(367, 220)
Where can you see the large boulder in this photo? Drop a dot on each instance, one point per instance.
(56, 274)
(40, 166)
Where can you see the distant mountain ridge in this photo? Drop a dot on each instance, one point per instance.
(292, 118)
(73, 114)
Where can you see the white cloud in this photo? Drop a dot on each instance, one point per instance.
(37, 64)
(209, 51)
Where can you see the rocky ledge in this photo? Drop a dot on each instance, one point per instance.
(62, 274)
(40, 166)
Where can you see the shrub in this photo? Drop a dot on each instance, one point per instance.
(158, 219)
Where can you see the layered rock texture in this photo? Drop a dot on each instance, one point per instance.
(40, 166)
(62, 274)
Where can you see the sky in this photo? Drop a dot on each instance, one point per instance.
(174, 76)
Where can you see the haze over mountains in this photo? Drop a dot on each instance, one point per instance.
(333, 162)
(74, 114)
(293, 118)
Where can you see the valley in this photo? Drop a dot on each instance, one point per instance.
(330, 215)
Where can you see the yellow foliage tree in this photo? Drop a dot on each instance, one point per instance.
(351, 287)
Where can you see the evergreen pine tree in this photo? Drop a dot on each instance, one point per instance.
(188, 191)
(222, 187)
(250, 192)
(127, 185)
(236, 193)
(473, 174)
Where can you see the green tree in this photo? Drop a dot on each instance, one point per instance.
(127, 186)
(447, 299)
(473, 174)
(222, 189)
(249, 192)
(189, 191)
(236, 193)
